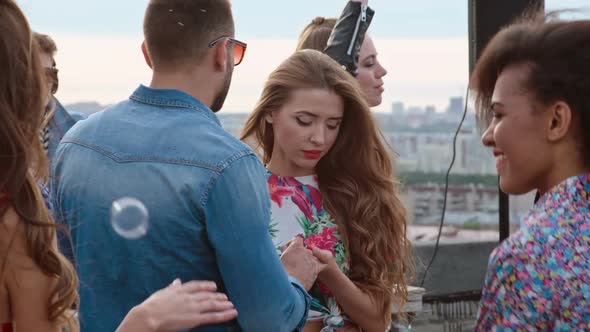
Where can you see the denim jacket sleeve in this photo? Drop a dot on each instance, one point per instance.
(237, 213)
(348, 35)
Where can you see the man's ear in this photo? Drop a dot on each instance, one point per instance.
(559, 121)
(220, 55)
(146, 55)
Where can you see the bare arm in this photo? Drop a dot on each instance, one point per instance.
(358, 305)
(29, 289)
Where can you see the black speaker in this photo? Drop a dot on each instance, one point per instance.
(487, 17)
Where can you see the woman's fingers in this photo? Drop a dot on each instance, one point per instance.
(199, 286)
(214, 305)
(216, 317)
(323, 256)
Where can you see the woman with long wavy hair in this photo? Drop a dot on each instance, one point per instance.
(331, 182)
(38, 285)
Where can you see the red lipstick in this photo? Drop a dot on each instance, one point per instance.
(312, 154)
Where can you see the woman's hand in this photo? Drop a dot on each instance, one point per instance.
(300, 263)
(180, 306)
(326, 258)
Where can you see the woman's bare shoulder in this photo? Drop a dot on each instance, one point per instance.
(13, 242)
(28, 287)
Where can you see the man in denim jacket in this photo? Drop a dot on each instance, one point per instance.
(59, 124)
(58, 120)
(205, 191)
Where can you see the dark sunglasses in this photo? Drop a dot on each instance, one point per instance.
(51, 74)
(239, 48)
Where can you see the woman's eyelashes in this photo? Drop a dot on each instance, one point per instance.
(303, 123)
(333, 126)
(307, 123)
(496, 115)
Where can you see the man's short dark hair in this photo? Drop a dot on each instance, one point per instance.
(46, 44)
(178, 32)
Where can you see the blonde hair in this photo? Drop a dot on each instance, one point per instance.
(355, 177)
(316, 34)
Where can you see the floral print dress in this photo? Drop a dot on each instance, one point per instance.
(297, 210)
(539, 278)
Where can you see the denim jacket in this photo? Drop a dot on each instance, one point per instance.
(209, 213)
(60, 123)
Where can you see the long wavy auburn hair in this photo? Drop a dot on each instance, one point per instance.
(23, 161)
(355, 177)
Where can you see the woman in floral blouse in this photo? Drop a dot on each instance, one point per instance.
(331, 183)
(532, 86)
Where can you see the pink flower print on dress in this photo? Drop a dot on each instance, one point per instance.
(325, 240)
(277, 192)
(323, 289)
(316, 198)
(298, 197)
(301, 199)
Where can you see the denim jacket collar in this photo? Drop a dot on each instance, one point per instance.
(171, 98)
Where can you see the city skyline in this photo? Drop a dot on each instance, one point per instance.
(396, 107)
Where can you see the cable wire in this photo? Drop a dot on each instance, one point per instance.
(446, 192)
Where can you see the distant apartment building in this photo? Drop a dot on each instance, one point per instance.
(471, 201)
(398, 108)
(431, 152)
(456, 105)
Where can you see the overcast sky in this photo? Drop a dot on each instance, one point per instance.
(422, 43)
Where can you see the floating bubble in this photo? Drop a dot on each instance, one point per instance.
(129, 218)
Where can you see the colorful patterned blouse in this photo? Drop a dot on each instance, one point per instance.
(297, 210)
(539, 278)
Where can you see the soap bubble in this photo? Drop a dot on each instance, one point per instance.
(129, 218)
